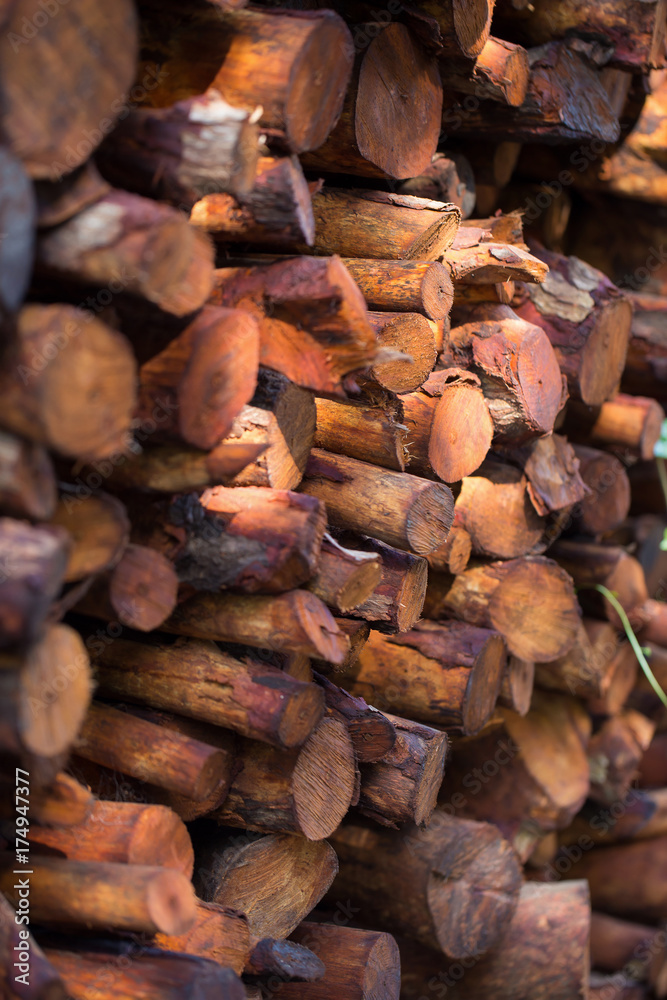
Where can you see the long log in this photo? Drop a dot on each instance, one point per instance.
(488, 595)
(452, 886)
(448, 674)
(629, 424)
(404, 285)
(397, 508)
(361, 430)
(174, 469)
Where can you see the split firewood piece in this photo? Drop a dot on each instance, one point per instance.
(582, 671)
(634, 31)
(35, 978)
(551, 466)
(313, 319)
(403, 786)
(404, 285)
(296, 621)
(104, 53)
(253, 540)
(410, 342)
(448, 674)
(151, 753)
(518, 369)
(453, 555)
(499, 73)
(491, 263)
(27, 479)
(507, 774)
(207, 374)
(368, 431)
(383, 226)
(218, 933)
(359, 964)
(286, 959)
(310, 52)
(393, 64)
(196, 678)
(129, 833)
(614, 753)
(99, 529)
(101, 894)
(18, 212)
(45, 694)
(33, 567)
(281, 418)
(561, 82)
(174, 469)
(373, 735)
(452, 886)
(629, 424)
(587, 319)
(397, 602)
(67, 363)
(345, 578)
(516, 688)
(275, 881)
(276, 212)
(495, 509)
(608, 503)
(490, 594)
(543, 955)
(180, 153)
(62, 803)
(140, 592)
(397, 508)
(134, 245)
(449, 178)
(625, 879)
(307, 790)
(589, 563)
(124, 972)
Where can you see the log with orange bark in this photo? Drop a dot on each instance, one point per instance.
(629, 425)
(396, 602)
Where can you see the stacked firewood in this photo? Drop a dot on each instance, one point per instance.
(326, 463)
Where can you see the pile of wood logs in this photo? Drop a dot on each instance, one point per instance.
(334, 361)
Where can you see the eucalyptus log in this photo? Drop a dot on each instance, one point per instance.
(410, 335)
(286, 959)
(140, 592)
(590, 564)
(614, 753)
(470, 262)
(345, 578)
(373, 735)
(495, 508)
(174, 469)
(629, 424)
(219, 933)
(397, 601)
(99, 529)
(626, 879)
(608, 503)
(553, 471)
(404, 285)
(368, 431)
(454, 554)
(449, 177)
(62, 803)
(499, 73)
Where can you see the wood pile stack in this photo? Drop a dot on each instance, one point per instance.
(326, 409)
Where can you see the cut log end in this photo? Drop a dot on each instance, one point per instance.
(437, 291)
(484, 684)
(324, 779)
(171, 903)
(430, 519)
(461, 434)
(300, 716)
(428, 784)
(143, 588)
(609, 341)
(382, 977)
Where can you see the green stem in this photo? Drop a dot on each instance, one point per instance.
(639, 653)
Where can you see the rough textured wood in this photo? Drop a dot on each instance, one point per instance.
(403, 786)
(531, 587)
(396, 603)
(296, 621)
(368, 431)
(219, 933)
(482, 263)
(454, 554)
(449, 177)
(174, 469)
(552, 468)
(404, 285)
(608, 504)
(124, 832)
(397, 508)
(275, 881)
(452, 886)
(102, 895)
(411, 335)
(345, 578)
(373, 735)
(448, 674)
(54, 131)
(286, 959)
(313, 320)
(294, 64)
(378, 225)
(67, 362)
(196, 678)
(495, 509)
(499, 73)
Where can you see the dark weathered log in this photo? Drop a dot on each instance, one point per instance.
(306, 790)
(452, 886)
(67, 47)
(195, 678)
(58, 200)
(404, 285)
(275, 881)
(448, 674)
(499, 73)
(489, 595)
(383, 226)
(102, 895)
(285, 959)
(397, 508)
(403, 786)
(449, 178)
(294, 65)
(397, 601)
(33, 567)
(130, 833)
(67, 363)
(552, 468)
(373, 735)
(313, 320)
(219, 933)
(184, 151)
(296, 621)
